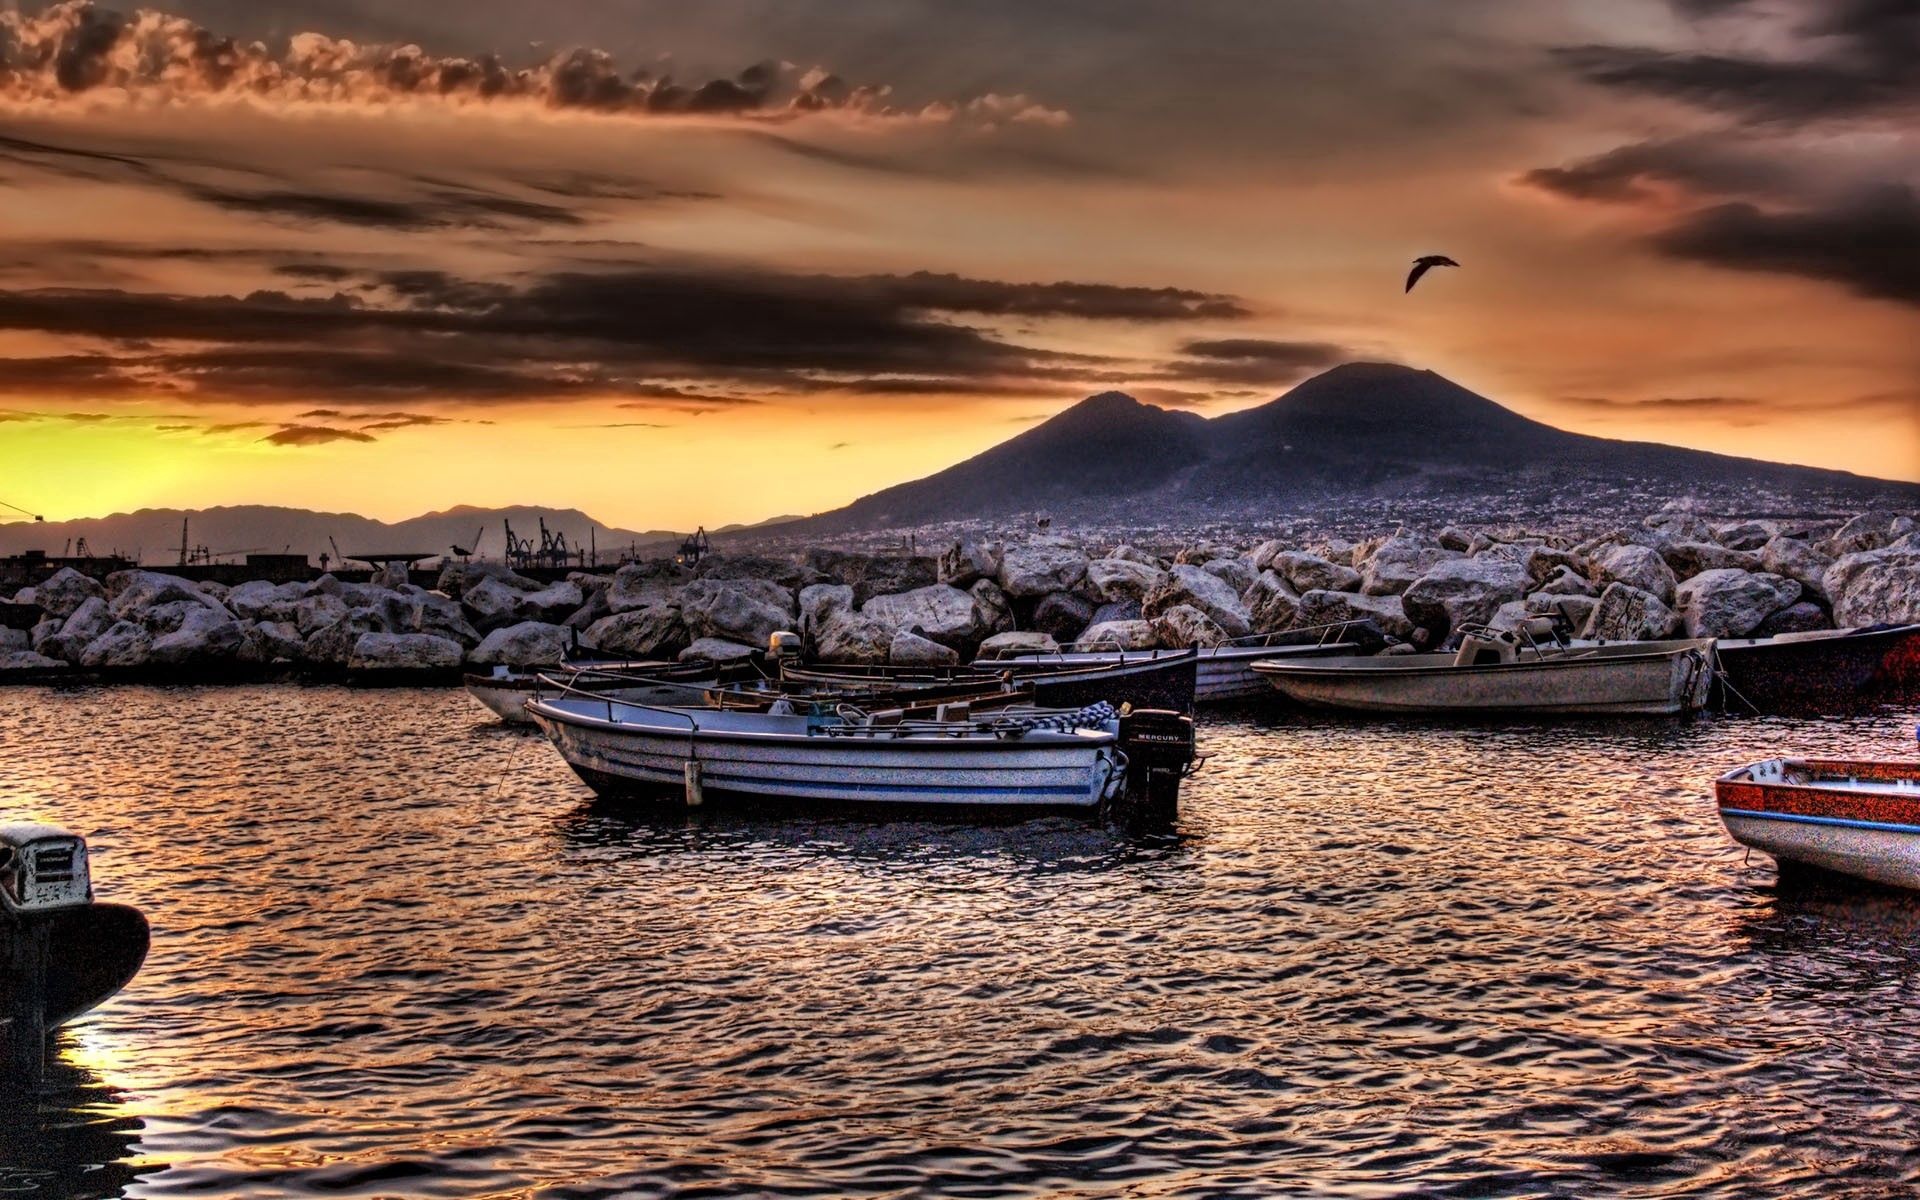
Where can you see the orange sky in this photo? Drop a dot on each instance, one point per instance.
(393, 280)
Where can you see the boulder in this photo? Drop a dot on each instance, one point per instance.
(1321, 607)
(1191, 587)
(258, 600)
(528, 644)
(84, 624)
(1182, 625)
(1398, 562)
(1042, 565)
(712, 649)
(15, 639)
(124, 644)
(1121, 635)
(26, 595)
(746, 611)
(334, 645)
(1309, 572)
(1576, 611)
(1455, 538)
(1062, 615)
(1639, 567)
(1261, 557)
(1464, 591)
(1134, 554)
(1231, 571)
(1874, 587)
(431, 612)
(909, 649)
(963, 562)
(271, 642)
(640, 633)
(17, 661)
(1566, 581)
(942, 613)
(592, 609)
(553, 603)
(1729, 602)
(1119, 610)
(1691, 558)
(848, 638)
(43, 630)
(456, 577)
(1625, 613)
(1002, 645)
(131, 593)
(1801, 617)
(783, 572)
(392, 576)
(202, 638)
(1111, 580)
(1271, 605)
(1799, 562)
(645, 585)
(1680, 521)
(871, 575)
(63, 592)
(407, 652)
(316, 612)
(821, 603)
(996, 611)
(1868, 531)
(492, 603)
(1746, 535)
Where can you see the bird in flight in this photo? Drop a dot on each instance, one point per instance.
(1426, 263)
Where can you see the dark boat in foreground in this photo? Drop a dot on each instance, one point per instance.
(1828, 670)
(1162, 680)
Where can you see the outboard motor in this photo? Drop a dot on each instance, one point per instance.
(1158, 743)
(42, 867)
(783, 647)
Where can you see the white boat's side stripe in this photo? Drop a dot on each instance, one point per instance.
(1802, 819)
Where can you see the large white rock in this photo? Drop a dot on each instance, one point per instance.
(528, 644)
(1638, 567)
(942, 613)
(640, 633)
(317, 612)
(61, 593)
(1062, 615)
(403, 652)
(202, 637)
(491, 603)
(431, 612)
(645, 585)
(124, 644)
(911, 650)
(1321, 607)
(131, 593)
(1868, 531)
(1121, 635)
(1231, 571)
(1307, 572)
(1691, 558)
(1398, 562)
(1115, 580)
(821, 603)
(84, 624)
(259, 600)
(747, 611)
(1627, 614)
(963, 562)
(1729, 602)
(1464, 591)
(1874, 587)
(996, 611)
(23, 661)
(1182, 625)
(1040, 566)
(1799, 562)
(712, 649)
(271, 642)
(1192, 587)
(1271, 605)
(847, 638)
(334, 646)
(1014, 642)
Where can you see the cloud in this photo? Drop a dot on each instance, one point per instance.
(75, 48)
(1095, 301)
(313, 435)
(1252, 360)
(1869, 244)
(440, 210)
(1637, 172)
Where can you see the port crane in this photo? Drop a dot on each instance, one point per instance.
(23, 512)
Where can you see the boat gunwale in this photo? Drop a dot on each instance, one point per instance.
(1347, 667)
(541, 710)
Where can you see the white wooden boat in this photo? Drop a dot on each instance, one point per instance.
(504, 691)
(1018, 760)
(1222, 673)
(1495, 674)
(1857, 818)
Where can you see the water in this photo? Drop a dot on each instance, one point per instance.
(399, 951)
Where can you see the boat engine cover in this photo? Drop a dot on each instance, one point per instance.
(1159, 745)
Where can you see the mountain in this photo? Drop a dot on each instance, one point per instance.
(153, 534)
(1360, 437)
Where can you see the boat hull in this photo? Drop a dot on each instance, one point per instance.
(1658, 683)
(972, 776)
(1222, 675)
(1832, 670)
(1863, 821)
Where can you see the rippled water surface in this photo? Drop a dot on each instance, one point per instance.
(398, 950)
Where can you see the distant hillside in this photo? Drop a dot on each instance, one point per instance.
(153, 534)
(1361, 435)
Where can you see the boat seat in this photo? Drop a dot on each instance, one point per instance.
(1484, 650)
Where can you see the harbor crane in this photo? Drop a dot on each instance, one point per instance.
(23, 512)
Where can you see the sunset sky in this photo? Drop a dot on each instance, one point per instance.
(678, 263)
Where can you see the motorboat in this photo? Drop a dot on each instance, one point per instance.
(1166, 679)
(1851, 817)
(504, 691)
(1222, 674)
(953, 757)
(1825, 670)
(1507, 672)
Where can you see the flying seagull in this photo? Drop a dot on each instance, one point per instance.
(1422, 264)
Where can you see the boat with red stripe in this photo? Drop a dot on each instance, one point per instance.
(1848, 816)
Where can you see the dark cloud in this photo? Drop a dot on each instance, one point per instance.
(1252, 360)
(441, 210)
(1703, 165)
(1856, 58)
(1097, 301)
(74, 47)
(1870, 244)
(313, 435)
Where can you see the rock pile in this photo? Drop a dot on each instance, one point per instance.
(1675, 574)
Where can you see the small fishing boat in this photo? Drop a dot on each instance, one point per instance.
(504, 691)
(1222, 674)
(990, 760)
(1857, 818)
(1507, 673)
(1825, 670)
(1166, 679)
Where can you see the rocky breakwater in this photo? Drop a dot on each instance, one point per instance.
(1676, 573)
